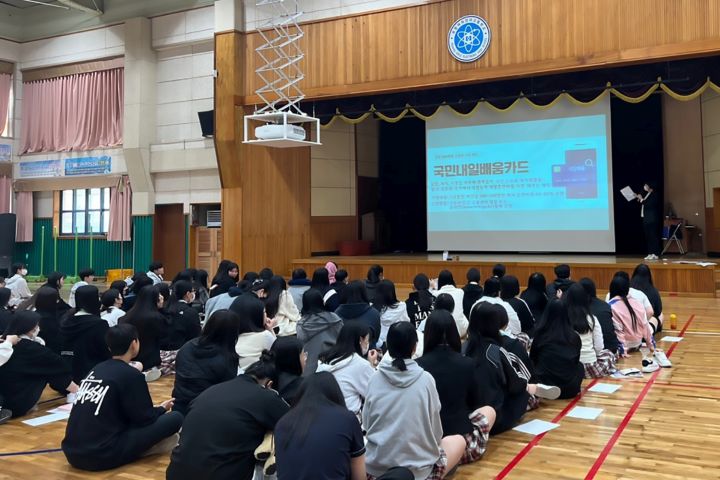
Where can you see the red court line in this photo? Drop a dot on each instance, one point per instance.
(513, 463)
(687, 385)
(621, 428)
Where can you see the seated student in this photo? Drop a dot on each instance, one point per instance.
(6, 351)
(461, 412)
(297, 286)
(207, 360)
(82, 334)
(121, 286)
(112, 301)
(332, 269)
(224, 300)
(420, 302)
(56, 280)
(446, 284)
(321, 280)
(47, 302)
(374, 276)
(255, 332)
(640, 296)
(357, 308)
(602, 311)
(505, 386)
(352, 363)
(31, 367)
(391, 309)
(492, 295)
(266, 274)
(535, 295)
(5, 312)
(87, 276)
(219, 438)
(318, 329)
(17, 285)
(402, 415)
(289, 363)
(642, 282)
(562, 282)
(556, 350)
(183, 324)
(518, 347)
(334, 297)
(473, 291)
(150, 323)
(113, 421)
(499, 270)
(227, 276)
(139, 281)
(510, 293)
(281, 308)
(632, 326)
(155, 273)
(597, 361)
(202, 295)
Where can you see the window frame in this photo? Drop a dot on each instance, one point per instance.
(104, 212)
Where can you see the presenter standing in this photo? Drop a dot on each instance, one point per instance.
(651, 216)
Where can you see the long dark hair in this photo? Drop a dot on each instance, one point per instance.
(222, 268)
(385, 296)
(642, 278)
(321, 280)
(537, 283)
(318, 392)
(312, 302)
(375, 273)
(509, 287)
(87, 298)
(446, 302)
(355, 292)
(287, 355)
(492, 287)
(46, 299)
(347, 343)
(108, 299)
(251, 313)
(445, 278)
(140, 281)
(179, 290)
(555, 327)
(486, 320)
(401, 339)
(223, 274)
(440, 329)
(201, 278)
(425, 299)
(145, 308)
(53, 280)
(620, 287)
(222, 329)
(577, 302)
(276, 286)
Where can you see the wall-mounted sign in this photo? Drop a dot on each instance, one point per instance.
(88, 166)
(5, 152)
(41, 169)
(469, 38)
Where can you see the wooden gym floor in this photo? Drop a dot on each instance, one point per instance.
(664, 426)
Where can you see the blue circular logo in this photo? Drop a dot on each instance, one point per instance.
(469, 38)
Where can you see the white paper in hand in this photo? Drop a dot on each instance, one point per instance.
(628, 193)
(536, 427)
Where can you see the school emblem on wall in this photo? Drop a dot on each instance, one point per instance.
(469, 38)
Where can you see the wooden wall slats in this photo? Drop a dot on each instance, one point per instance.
(326, 233)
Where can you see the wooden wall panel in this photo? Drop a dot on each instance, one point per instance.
(328, 232)
(406, 48)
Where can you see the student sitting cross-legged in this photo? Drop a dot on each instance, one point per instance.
(113, 421)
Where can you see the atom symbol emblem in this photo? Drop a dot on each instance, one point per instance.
(469, 38)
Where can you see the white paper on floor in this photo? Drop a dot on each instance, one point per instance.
(604, 388)
(536, 427)
(64, 409)
(45, 419)
(585, 413)
(671, 339)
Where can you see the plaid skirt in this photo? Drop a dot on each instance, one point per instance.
(167, 362)
(603, 367)
(438, 471)
(477, 440)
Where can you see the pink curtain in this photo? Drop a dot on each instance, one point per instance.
(24, 212)
(5, 192)
(120, 210)
(5, 83)
(76, 112)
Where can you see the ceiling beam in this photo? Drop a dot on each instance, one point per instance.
(76, 6)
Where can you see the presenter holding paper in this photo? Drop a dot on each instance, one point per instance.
(651, 217)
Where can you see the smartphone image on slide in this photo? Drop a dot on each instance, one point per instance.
(578, 174)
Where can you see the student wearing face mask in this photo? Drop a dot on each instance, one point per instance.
(183, 324)
(31, 367)
(18, 286)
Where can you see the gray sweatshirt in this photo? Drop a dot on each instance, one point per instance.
(317, 332)
(402, 420)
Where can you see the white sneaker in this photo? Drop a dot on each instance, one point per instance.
(649, 365)
(152, 374)
(649, 257)
(547, 392)
(662, 359)
(655, 257)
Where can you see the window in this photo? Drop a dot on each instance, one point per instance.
(85, 211)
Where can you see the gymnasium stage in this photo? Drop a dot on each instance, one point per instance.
(670, 277)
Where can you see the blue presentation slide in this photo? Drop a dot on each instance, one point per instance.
(541, 175)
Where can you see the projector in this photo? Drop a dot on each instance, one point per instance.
(280, 132)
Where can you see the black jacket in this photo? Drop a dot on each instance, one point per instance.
(183, 326)
(362, 312)
(473, 293)
(24, 377)
(197, 368)
(651, 210)
(5, 316)
(515, 346)
(50, 330)
(527, 320)
(335, 299)
(419, 310)
(456, 385)
(223, 286)
(558, 364)
(371, 290)
(602, 311)
(288, 387)
(82, 343)
(151, 329)
(536, 301)
(559, 284)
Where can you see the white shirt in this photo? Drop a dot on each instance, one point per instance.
(592, 341)
(251, 345)
(155, 278)
(6, 351)
(112, 315)
(458, 315)
(390, 316)
(513, 320)
(71, 298)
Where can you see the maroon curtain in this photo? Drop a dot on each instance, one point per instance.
(120, 211)
(5, 83)
(76, 112)
(24, 212)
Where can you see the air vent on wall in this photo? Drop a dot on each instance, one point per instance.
(214, 218)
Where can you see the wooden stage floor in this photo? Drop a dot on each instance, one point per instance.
(669, 276)
(663, 426)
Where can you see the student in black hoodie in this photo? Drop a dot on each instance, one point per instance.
(603, 312)
(82, 333)
(207, 360)
(509, 292)
(219, 438)
(420, 302)
(113, 421)
(31, 367)
(473, 290)
(334, 297)
(183, 324)
(290, 362)
(562, 282)
(145, 316)
(358, 308)
(5, 312)
(535, 295)
(374, 277)
(47, 304)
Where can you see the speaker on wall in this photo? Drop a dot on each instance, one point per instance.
(7, 242)
(207, 123)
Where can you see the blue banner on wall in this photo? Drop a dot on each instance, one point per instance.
(41, 169)
(88, 166)
(5, 152)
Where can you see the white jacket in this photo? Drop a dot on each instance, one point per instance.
(71, 298)
(157, 279)
(6, 351)
(19, 290)
(353, 375)
(513, 320)
(458, 315)
(112, 315)
(592, 342)
(251, 345)
(287, 315)
(390, 316)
